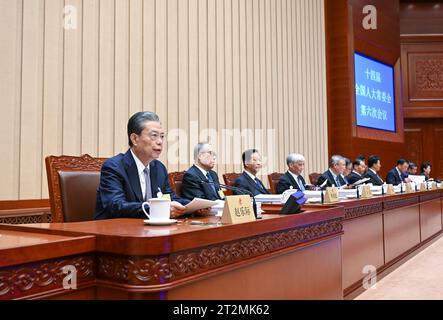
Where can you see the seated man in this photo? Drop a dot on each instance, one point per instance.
(359, 169)
(248, 180)
(333, 176)
(397, 175)
(127, 180)
(348, 170)
(293, 177)
(374, 167)
(200, 181)
(412, 169)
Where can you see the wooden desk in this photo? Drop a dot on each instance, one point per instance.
(381, 231)
(278, 257)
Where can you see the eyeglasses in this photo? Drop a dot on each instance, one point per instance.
(212, 153)
(154, 136)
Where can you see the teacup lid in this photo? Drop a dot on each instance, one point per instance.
(159, 200)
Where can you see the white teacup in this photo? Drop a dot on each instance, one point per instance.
(159, 209)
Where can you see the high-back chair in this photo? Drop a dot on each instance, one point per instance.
(175, 180)
(273, 179)
(73, 183)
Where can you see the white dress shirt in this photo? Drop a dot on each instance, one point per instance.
(140, 168)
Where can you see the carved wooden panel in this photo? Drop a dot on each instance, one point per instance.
(395, 204)
(430, 196)
(425, 76)
(355, 212)
(422, 76)
(41, 277)
(150, 270)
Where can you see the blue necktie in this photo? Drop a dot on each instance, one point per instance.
(337, 179)
(211, 182)
(259, 185)
(300, 184)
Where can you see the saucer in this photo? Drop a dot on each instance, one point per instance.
(160, 222)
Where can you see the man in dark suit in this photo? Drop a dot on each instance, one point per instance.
(374, 167)
(200, 181)
(358, 170)
(127, 180)
(248, 180)
(397, 175)
(333, 175)
(293, 177)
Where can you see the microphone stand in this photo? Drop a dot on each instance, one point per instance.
(243, 191)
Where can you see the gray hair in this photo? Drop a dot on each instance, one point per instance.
(335, 159)
(294, 157)
(198, 148)
(136, 123)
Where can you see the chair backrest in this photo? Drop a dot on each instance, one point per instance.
(313, 178)
(230, 178)
(175, 180)
(273, 179)
(73, 183)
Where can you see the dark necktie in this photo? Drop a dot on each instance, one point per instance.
(337, 180)
(259, 185)
(148, 191)
(211, 182)
(300, 184)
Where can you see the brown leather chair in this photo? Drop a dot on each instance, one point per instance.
(73, 183)
(175, 180)
(229, 179)
(313, 177)
(273, 179)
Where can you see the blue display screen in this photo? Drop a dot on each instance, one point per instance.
(374, 94)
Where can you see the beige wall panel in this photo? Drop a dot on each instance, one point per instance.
(11, 27)
(243, 73)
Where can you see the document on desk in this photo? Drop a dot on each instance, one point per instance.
(360, 181)
(198, 203)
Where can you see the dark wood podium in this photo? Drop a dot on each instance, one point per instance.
(278, 257)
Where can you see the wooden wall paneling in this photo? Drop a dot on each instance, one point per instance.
(430, 218)
(173, 104)
(90, 80)
(183, 110)
(10, 90)
(437, 150)
(30, 140)
(52, 130)
(107, 80)
(136, 55)
(414, 145)
(121, 82)
(421, 17)
(247, 66)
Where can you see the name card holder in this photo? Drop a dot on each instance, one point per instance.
(331, 195)
(238, 209)
(433, 185)
(408, 188)
(422, 186)
(366, 192)
(390, 190)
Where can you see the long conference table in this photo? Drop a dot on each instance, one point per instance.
(318, 254)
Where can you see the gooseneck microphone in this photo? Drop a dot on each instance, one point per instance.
(242, 191)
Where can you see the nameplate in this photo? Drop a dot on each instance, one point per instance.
(433, 185)
(366, 192)
(408, 188)
(221, 194)
(422, 186)
(331, 195)
(238, 209)
(390, 190)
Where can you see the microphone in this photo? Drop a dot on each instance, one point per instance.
(241, 190)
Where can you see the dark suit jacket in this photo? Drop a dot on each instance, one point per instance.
(393, 177)
(119, 194)
(245, 182)
(327, 175)
(194, 186)
(287, 181)
(353, 177)
(375, 179)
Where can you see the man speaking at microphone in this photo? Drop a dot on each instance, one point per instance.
(248, 181)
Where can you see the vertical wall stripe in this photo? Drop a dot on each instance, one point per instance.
(240, 73)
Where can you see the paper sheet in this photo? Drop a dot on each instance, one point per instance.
(198, 203)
